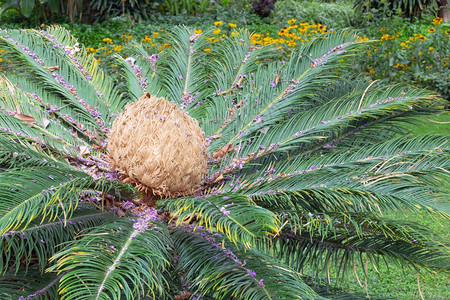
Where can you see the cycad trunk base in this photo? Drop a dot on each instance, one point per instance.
(158, 148)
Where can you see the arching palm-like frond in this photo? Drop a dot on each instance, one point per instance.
(303, 167)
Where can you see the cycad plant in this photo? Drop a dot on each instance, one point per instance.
(288, 171)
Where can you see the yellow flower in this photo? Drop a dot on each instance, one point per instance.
(216, 31)
(369, 54)
(117, 48)
(107, 40)
(197, 31)
(292, 21)
(207, 50)
(372, 71)
(437, 21)
(232, 25)
(1, 59)
(447, 32)
(156, 34)
(432, 30)
(384, 37)
(218, 23)
(422, 38)
(147, 39)
(445, 63)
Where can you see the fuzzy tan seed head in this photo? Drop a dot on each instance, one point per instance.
(159, 147)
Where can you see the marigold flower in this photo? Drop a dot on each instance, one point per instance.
(232, 25)
(218, 23)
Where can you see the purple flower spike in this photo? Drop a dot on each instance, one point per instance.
(251, 272)
(261, 282)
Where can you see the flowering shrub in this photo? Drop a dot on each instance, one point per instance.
(421, 55)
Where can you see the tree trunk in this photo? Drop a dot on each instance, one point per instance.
(444, 10)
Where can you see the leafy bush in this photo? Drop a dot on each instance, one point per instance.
(338, 14)
(415, 53)
(378, 9)
(303, 167)
(85, 10)
(263, 8)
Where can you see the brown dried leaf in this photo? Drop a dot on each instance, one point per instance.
(216, 136)
(219, 178)
(277, 79)
(121, 213)
(52, 68)
(223, 151)
(25, 118)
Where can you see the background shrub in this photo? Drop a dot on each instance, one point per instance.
(332, 14)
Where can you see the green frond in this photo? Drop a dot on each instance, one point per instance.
(30, 283)
(182, 78)
(330, 244)
(141, 75)
(236, 216)
(43, 239)
(115, 261)
(39, 192)
(214, 267)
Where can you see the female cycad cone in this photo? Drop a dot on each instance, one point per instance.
(158, 147)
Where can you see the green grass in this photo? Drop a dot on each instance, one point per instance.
(397, 283)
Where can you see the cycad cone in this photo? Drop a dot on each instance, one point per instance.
(159, 147)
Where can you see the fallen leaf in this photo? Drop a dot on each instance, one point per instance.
(25, 118)
(45, 122)
(277, 79)
(121, 213)
(84, 150)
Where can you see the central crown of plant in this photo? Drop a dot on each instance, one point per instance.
(158, 147)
